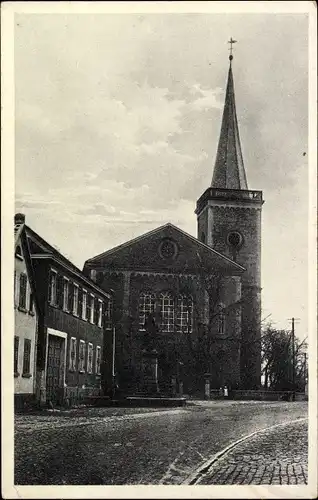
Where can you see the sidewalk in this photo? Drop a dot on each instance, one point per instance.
(80, 416)
(278, 456)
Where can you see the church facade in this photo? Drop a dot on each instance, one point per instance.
(202, 294)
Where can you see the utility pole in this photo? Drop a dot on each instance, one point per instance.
(293, 356)
(113, 363)
(293, 351)
(305, 372)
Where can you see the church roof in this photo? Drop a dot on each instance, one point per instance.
(229, 172)
(195, 250)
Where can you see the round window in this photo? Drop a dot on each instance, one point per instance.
(168, 249)
(234, 239)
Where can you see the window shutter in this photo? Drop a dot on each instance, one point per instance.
(26, 356)
(23, 289)
(16, 354)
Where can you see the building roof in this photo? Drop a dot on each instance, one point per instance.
(47, 251)
(21, 240)
(207, 251)
(229, 171)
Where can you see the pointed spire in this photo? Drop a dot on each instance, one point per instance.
(229, 172)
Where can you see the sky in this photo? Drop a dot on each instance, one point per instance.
(117, 119)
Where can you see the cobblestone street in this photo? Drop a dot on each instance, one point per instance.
(124, 446)
(277, 456)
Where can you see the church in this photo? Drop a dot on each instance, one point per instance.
(196, 302)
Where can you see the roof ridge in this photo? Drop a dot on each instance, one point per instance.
(154, 231)
(127, 243)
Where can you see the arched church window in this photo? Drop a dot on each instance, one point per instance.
(221, 318)
(166, 306)
(147, 303)
(184, 313)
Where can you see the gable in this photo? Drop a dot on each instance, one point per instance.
(166, 249)
(23, 262)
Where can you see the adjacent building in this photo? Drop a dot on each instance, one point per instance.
(25, 319)
(74, 318)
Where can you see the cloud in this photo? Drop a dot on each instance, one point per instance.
(121, 131)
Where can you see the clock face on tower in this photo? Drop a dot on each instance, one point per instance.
(234, 239)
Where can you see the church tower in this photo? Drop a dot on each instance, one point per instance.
(229, 220)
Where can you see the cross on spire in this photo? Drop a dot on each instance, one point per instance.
(231, 41)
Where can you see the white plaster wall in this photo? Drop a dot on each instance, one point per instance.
(25, 328)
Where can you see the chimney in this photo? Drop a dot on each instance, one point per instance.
(19, 219)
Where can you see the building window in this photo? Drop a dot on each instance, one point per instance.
(73, 345)
(70, 297)
(184, 313)
(59, 291)
(81, 361)
(79, 302)
(166, 306)
(96, 309)
(221, 319)
(22, 291)
(84, 304)
(26, 357)
(147, 303)
(90, 358)
(100, 313)
(52, 287)
(16, 356)
(98, 359)
(109, 314)
(90, 308)
(75, 299)
(65, 294)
